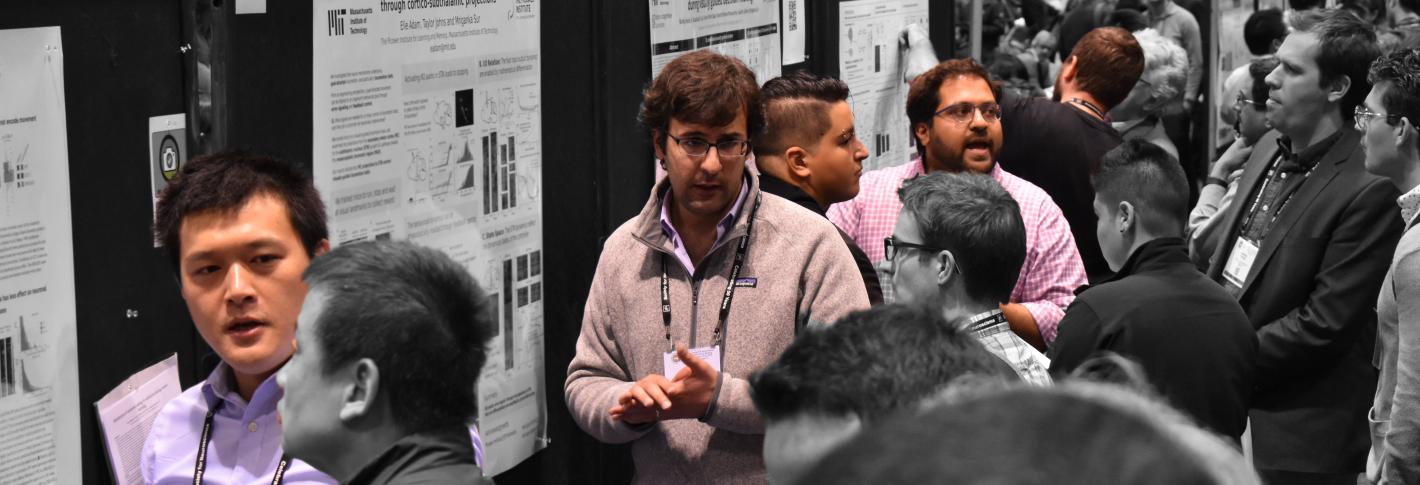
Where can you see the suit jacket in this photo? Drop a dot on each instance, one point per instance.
(1194, 342)
(1310, 295)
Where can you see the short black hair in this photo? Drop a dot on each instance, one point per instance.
(1348, 46)
(970, 215)
(924, 92)
(796, 107)
(1143, 174)
(871, 363)
(702, 87)
(1022, 435)
(1305, 4)
(1263, 29)
(1401, 69)
(1258, 69)
(1128, 19)
(224, 182)
(414, 311)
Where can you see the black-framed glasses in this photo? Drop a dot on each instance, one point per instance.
(891, 245)
(964, 112)
(1363, 118)
(698, 147)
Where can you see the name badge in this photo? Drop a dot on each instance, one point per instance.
(673, 364)
(1240, 261)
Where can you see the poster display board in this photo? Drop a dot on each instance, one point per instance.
(39, 361)
(870, 62)
(428, 128)
(746, 29)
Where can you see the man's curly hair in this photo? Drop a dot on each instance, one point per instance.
(1400, 69)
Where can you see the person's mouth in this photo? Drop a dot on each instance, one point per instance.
(978, 148)
(244, 327)
(705, 188)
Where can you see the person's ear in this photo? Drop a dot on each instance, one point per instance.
(658, 141)
(1338, 89)
(923, 132)
(1068, 69)
(1276, 44)
(322, 247)
(361, 390)
(797, 161)
(1405, 134)
(946, 264)
(1126, 217)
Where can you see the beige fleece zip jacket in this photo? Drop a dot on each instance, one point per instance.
(795, 266)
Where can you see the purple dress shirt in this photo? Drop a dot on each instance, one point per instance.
(725, 224)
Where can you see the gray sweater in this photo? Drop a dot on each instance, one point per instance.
(800, 269)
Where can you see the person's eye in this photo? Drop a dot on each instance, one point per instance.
(266, 259)
(206, 270)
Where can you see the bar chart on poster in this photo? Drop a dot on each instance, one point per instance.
(428, 128)
(39, 362)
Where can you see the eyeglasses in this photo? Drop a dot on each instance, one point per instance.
(697, 147)
(891, 245)
(962, 112)
(1363, 118)
(1243, 101)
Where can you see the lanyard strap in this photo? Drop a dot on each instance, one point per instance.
(1284, 197)
(201, 466)
(1090, 106)
(729, 286)
(985, 323)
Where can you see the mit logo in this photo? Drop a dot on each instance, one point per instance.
(335, 22)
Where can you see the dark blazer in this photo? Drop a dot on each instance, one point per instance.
(443, 455)
(1196, 345)
(772, 185)
(1311, 295)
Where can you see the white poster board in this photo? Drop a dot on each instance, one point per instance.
(39, 361)
(870, 61)
(127, 412)
(746, 29)
(428, 127)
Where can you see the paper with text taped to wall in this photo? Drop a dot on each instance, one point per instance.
(39, 361)
(428, 128)
(127, 413)
(870, 62)
(746, 29)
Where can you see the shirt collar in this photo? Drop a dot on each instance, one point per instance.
(1309, 156)
(725, 224)
(1409, 205)
(220, 387)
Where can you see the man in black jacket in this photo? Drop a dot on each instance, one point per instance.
(1194, 342)
(390, 342)
(809, 152)
(1304, 249)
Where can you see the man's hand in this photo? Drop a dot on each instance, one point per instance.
(918, 54)
(1232, 159)
(653, 398)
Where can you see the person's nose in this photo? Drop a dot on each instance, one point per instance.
(239, 289)
(711, 163)
(861, 153)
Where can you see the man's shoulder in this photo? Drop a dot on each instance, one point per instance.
(786, 216)
(181, 417)
(1028, 195)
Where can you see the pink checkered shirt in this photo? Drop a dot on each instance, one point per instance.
(1052, 269)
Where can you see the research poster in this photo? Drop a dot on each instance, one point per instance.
(746, 29)
(39, 361)
(870, 62)
(428, 128)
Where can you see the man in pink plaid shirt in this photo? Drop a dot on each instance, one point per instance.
(958, 127)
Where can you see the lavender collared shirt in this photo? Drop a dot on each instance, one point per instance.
(246, 437)
(681, 254)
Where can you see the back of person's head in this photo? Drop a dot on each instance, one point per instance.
(924, 93)
(796, 111)
(1369, 10)
(970, 215)
(1264, 31)
(1305, 4)
(1128, 19)
(1347, 47)
(834, 378)
(1075, 433)
(1400, 70)
(417, 314)
(1147, 177)
(1165, 66)
(903, 353)
(702, 87)
(1108, 61)
(224, 182)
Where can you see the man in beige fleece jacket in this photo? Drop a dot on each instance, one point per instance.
(667, 341)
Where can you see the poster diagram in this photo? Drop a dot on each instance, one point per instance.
(39, 377)
(746, 29)
(870, 62)
(428, 128)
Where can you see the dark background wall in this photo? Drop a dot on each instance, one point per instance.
(123, 64)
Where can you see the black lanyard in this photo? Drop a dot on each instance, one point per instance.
(201, 466)
(1090, 106)
(729, 287)
(1284, 197)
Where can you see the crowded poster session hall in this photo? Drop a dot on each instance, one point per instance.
(789, 242)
